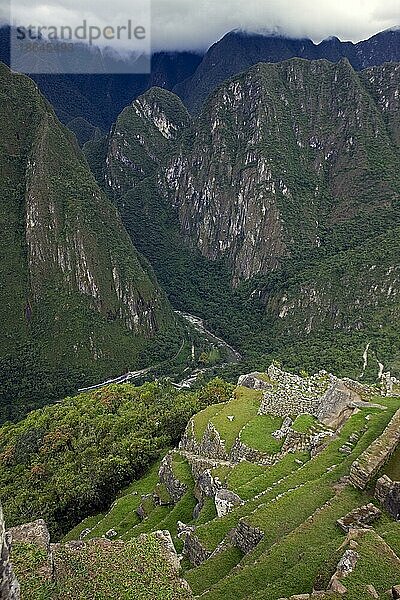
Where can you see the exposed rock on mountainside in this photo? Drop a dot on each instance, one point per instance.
(282, 144)
(298, 141)
(75, 285)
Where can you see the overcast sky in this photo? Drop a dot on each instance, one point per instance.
(196, 24)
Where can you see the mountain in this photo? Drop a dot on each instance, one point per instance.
(100, 98)
(237, 51)
(289, 181)
(76, 296)
(91, 101)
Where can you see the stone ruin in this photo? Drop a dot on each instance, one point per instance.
(387, 492)
(359, 518)
(289, 394)
(368, 465)
(387, 384)
(330, 399)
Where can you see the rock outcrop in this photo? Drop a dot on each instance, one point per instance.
(74, 266)
(360, 518)
(9, 587)
(225, 501)
(345, 567)
(32, 533)
(335, 405)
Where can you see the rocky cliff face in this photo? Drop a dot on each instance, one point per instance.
(75, 284)
(285, 160)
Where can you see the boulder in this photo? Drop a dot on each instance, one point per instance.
(360, 518)
(32, 533)
(335, 405)
(372, 592)
(347, 564)
(396, 592)
(225, 501)
(9, 587)
(253, 381)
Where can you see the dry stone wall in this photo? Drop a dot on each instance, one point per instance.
(376, 455)
(387, 492)
(176, 489)
(289, 394)
(210, 446)
(245, 537)
(194, 550)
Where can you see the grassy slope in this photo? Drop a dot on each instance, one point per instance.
(136, 570)
(243, 408)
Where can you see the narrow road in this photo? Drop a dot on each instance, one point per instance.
(198, 324)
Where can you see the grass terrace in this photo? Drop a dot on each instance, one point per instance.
(243, 408)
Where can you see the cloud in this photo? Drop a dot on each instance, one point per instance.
(196, 24)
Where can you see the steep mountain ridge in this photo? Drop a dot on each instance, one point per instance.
(75, 286)
(237, 51)
(298, 141)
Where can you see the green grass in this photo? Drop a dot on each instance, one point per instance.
(392, 468)
(264, 377)
(149, 524)
(201, 420)
(297, 561)
(304, 423)
(389, 530)
(243, 408)
(257, 434)
(212, 570)
(376, 567)
(88, 523)
(182, 470)
(161, 491)
(271, 475)
(242, 473)
(148, 505)
(208, 512)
